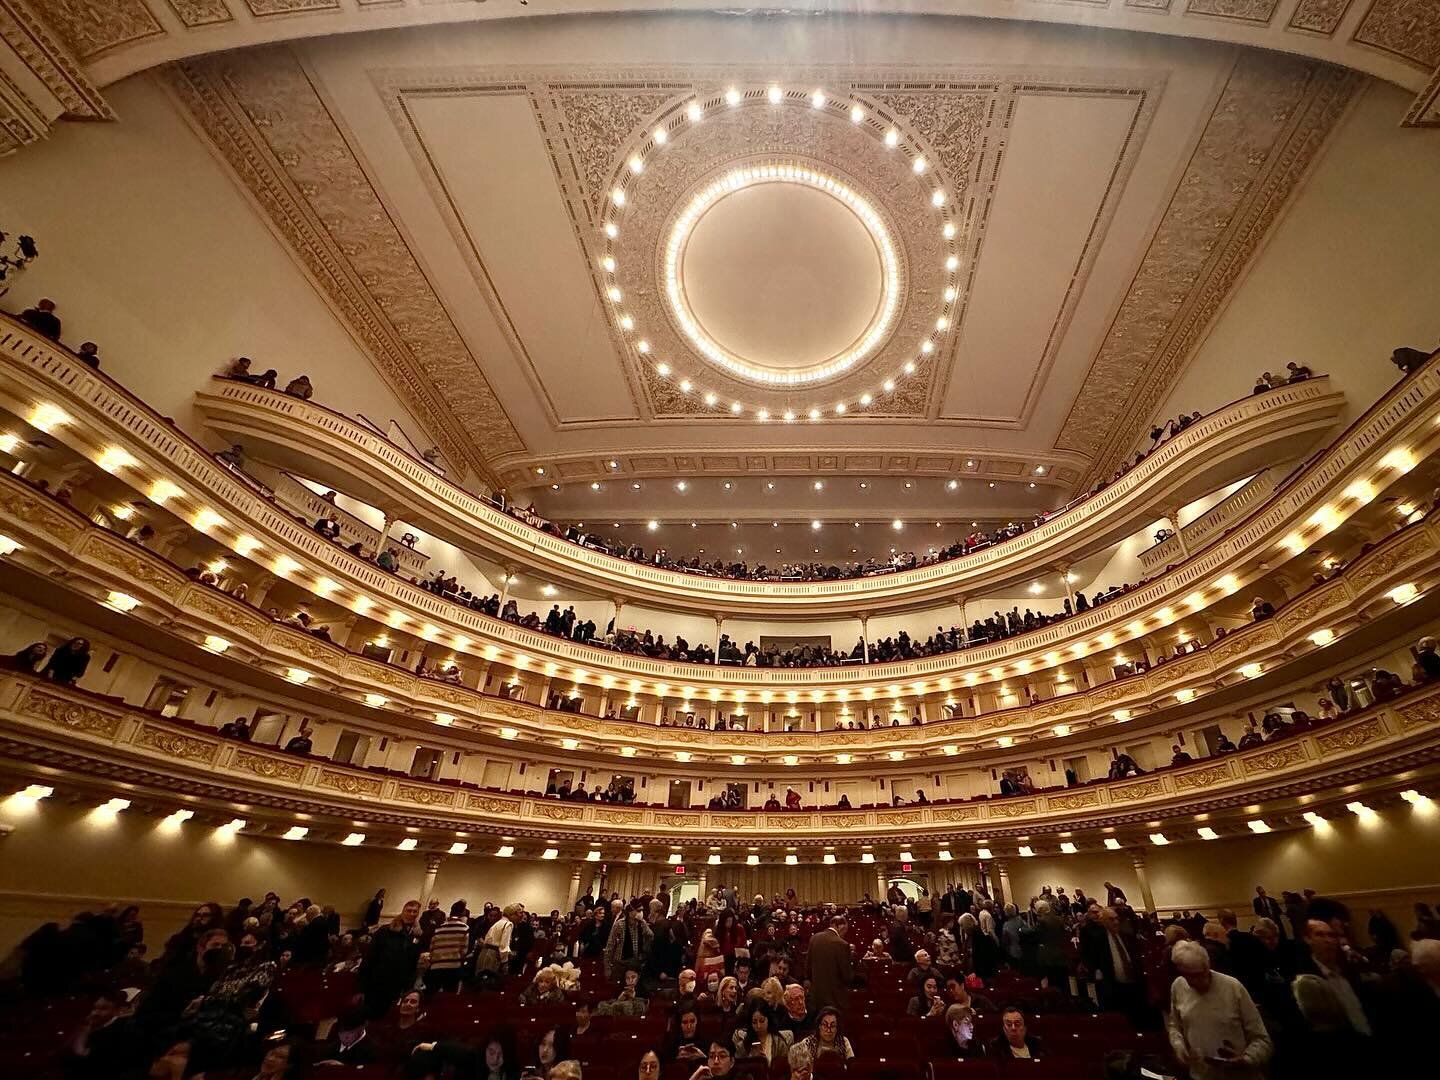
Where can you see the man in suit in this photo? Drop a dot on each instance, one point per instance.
(1113, 895)
(1267, 907)
(1113, 957)
(831, 972)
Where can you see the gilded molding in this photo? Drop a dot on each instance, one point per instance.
(1196, 779)
(176, 745)
(266, 118)
(1272, 117)
(1271, 760)
(941, 813)
(557, 811)
(425, 796)
(1349, 738)
(349, 784)
(1418, 713)
(70, 714)
(1077, 800)
(1143, 790)
(263, 8)
(112, 552)
(1011, 809)
(269, 766)
(489, 804)
(22, 506)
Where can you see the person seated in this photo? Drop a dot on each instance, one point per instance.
(795, 1013)
(827, 1038)
(402, 1029)
(1223, 745)
(1013, 1041)
(1180, 756)
(349, 1042)
(772, 803)
(543, 989)
(1251, 738)
(928, 1001)
(682, 1039)
(234, 457)
(922, 970)
(960, 1027)
(755, 1037)
(299, 744)
(1298, 372)
(844, 803)
(877, 951)
(721, 1062)
(628, 1002)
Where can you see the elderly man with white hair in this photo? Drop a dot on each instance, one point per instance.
(1215, 1030)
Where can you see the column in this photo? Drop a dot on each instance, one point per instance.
(505, 576)
(1138, 861)
(432, 868)
(719, 629)
(865, 635)
(574, 893)
(1172, 514)
(619, 603)
(1064, 570)
(881, 885)
(700, 882)
(1003, 889)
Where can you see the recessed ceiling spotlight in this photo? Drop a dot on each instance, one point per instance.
(637, 165)
(937, 198)
(607, 263)
(927, 347)
(652, 525)
(681, 485)
(727, 485)
(909, 367)
(952, 484)
(686, 386)
(992, 483)
(948, 231)
(1039, 470)
(817, 99)
(819, 485)
(866, 399)
(942, 324)
(634, 486)
(661, 136)
(627, 323)
(615, 294)
(897, 525)
(892, 138)
(857, 114)
(952, 262)
(888, 386)
(710, 398)
(919, 164)
(643, 345)
(612, 230)
(1032, 483)
(789, 416)
(736, 408)
(814, 414)
(775, 94)
(662, 369)
(618, 196)
(840, 409)
(950, 293)
(762, 414)
(732, 96)
(815, 526)
(694, 113)
(594, 485)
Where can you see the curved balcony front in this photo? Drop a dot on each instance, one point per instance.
(1340, 616)
(60, 734)
(1378, 448)
(1237, 440)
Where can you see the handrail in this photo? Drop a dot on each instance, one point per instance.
(515, 539)
(91, 554)
(62, 727)
(1396, 414)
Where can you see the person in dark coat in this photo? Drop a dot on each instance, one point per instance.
(388, 969)
(831, 970)
(68, 663)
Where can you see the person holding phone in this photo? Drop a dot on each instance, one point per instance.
(682, 1042)
(721, 1062)
(1215, 1029)
(756, 1037)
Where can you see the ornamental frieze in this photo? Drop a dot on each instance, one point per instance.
(227, 612)
(175, 745)
(619, 817)
(1012, 809)
(70, 714)
(350, 785)
(720, 821)
(679, 819)
(904, 817)
(1278, 758)
(790, 821)
(102, 548)
(1351, 737)
(272, 768)
(848, 821)
(1295, 615)
(1194, 779)
(22, 507)
(1380, 563)
(426, 796)
(1144, 790)
(1077, 800)
(955, 813)
(489, 804)
(558, 811)
(1421, 712)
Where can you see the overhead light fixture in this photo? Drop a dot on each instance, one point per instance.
(1205, 832)
(593, 855)
(408, 844)
(867, 857)
(355, 839)
(983, 853)
(121, 601)
(1257, 825)
(296, 832)
(1067, 848)
(1111, 844)
(376, 701)
(1158, 839)
(550, 854)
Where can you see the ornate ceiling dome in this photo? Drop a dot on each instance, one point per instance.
(779, 253)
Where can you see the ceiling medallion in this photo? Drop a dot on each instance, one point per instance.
(879, 255)
(843, 290)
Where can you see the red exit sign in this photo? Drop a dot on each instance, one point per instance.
(679, 869)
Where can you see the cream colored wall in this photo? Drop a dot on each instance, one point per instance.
(60, 859)
(1349, 273)
(148, 248)
(1387, 863)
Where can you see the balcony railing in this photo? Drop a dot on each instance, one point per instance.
(61, 728)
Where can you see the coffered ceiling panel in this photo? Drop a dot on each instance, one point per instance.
(485, 162)
(1065, 162)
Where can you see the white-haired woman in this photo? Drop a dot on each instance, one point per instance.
(1215, 1030)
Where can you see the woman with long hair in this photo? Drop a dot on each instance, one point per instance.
(828, 1036)
(727, 996)
(682, 1041)
(708, 958)
(756, 1036)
